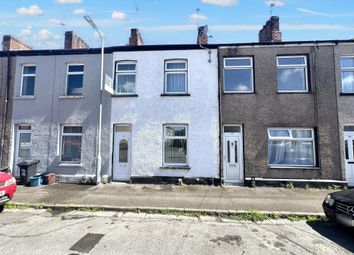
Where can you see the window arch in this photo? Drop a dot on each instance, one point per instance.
(123, 151)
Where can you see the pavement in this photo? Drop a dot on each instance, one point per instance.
(121, 196)
(29, 231)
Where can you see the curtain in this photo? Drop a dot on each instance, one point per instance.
(176, 82)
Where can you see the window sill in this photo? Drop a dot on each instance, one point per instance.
(25, 98)
(295, 167)
(70, 164)
(346, 94)
(71, 97)
(239, 93)
(175, 95)
(176, 167)
(294, 92)
(122, 95)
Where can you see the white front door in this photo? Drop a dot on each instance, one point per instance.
(349, 157)
(233, 158)
(22, 147)
(122, 156)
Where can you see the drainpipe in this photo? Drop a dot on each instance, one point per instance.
(6, 100)
(221, 155)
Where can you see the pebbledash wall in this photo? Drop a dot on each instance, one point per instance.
(150, 110)
(323, 108)
(49, 109)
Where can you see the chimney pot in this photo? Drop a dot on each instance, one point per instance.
(10, 43)
(270, 31)
(135, 38)
(72, 41)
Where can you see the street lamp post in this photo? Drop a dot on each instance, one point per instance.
(99, 158)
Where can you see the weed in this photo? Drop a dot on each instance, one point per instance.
(289, 185)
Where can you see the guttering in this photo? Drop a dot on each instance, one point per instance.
(6, 100)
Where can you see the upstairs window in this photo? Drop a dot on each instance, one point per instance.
(292, 74)
(71, 138)
(75, 79)
(347, 69)
(125, 77)
(176, 76)
(28, 80)
(291, 147)
(175, 145)
(238, 75)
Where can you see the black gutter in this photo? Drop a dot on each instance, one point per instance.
(6, 100)
(161, 48)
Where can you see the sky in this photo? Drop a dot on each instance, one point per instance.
(42, 23)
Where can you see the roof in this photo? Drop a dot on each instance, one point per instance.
(164, 47)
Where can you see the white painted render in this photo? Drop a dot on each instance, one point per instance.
(148, 112)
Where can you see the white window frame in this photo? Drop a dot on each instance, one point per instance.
(295, 66)
(69, 134)
(291, 138)
(345, 69)
(28, 75)
(176, 71)
(128, 72)
(73, 73)
(240, 67)
(165, 137)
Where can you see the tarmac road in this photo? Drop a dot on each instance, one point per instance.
(30, 231)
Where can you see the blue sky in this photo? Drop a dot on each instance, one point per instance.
(42, 23)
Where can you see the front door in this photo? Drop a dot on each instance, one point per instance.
(122, 154)
(349, 157)
(233, 158)
(22, 147)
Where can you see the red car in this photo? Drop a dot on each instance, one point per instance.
(7, 188)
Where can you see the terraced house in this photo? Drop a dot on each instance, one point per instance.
(269, 111)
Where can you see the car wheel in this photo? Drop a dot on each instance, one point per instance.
(1, 208)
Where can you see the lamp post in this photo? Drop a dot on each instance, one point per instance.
(99, 158)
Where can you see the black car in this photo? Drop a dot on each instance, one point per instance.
(339, 206)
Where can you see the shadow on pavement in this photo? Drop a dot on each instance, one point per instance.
(342, 236)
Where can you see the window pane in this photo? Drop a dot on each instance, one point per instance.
(238, 62)
(291, 61)
(175, 131)
(28, 85)
(176, 82)
(236, 160)
(25, 137)
(302, 133)
(346, 150)
(291, 79)
(76, 68)
(347, 62)
(24, 127)
(294, 153)
(123, 151)
(75, 82)
(24, 153)
(238, 80)
(176, 151)
(29, 70)
(232, 129)
(126, 83)
(228, 151)
(279, 133)
(126, 67)
(71, 148)
(348, 82)
(174, 66)
(75, 130)
(349, 128)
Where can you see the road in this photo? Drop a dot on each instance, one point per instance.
(30, 231)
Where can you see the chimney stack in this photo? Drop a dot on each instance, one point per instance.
(135, 38)
(72, 41)
(270, 31)
(202, 35)
(10, 43)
